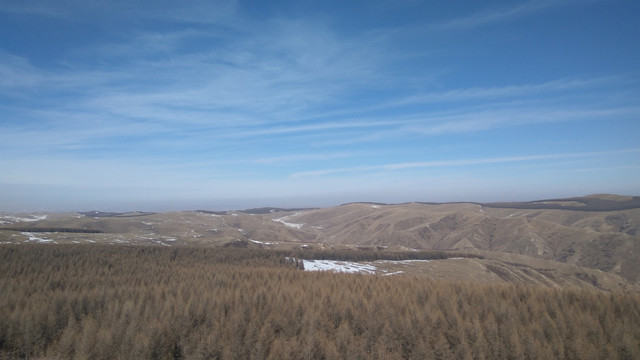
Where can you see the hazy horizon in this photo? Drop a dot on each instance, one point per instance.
(123, 106)
(283, 203)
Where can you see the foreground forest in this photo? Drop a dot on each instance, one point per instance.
(138, 302)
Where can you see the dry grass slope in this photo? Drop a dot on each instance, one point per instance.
(547, 234)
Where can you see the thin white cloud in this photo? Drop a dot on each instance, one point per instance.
(16, 73)
(324, 126)
(285, 159)
(192, 12)
(461, 162)
(608, 168)
(275, 72)
(493, 16)
(474, 120)
(549, 88)
(268, 85)
(31, 8)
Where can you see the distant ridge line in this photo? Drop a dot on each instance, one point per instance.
(255, 211)
(593, 204)
(97, 214)
(267, 210)
(590, 204)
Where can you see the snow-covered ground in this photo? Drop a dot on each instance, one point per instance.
(10, 219)
(375, 267)
(263, 243)
(283, 220)
(32, 237)
(338, 266)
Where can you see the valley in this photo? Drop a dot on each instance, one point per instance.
(592, 241)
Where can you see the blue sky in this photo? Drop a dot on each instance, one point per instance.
(160, 105)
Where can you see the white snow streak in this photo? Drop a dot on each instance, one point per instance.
(354, 267)
(9, 219)
(37, 239)
(338, 266)
(283, 220)
(263, 243)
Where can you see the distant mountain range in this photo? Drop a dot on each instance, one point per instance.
(597, 236)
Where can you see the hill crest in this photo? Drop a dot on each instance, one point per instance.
(584, 232)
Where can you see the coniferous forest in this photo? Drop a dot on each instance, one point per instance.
(136, 302)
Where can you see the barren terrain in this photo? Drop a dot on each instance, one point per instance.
(592, 241)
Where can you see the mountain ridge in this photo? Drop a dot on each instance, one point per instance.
(594, 202)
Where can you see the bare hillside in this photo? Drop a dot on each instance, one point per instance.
(587, 233)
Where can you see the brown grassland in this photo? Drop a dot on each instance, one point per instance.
(144, 302)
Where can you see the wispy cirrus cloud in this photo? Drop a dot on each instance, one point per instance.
(505, 117)
(195, 12)
(286, 159)
(305, 66)
(17, 74)
(32, 8)
(273, 76)
(546, 89)
(236, 103)
(463, 162)
(497, 15)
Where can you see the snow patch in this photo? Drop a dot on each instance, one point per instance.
(355, 267)
(263, 243)
(338, 266)
(9, 219)
(283, 220)
(393, 273)
(37, 239)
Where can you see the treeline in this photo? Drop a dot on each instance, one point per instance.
(134, 302)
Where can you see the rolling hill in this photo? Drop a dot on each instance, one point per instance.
(592, 240)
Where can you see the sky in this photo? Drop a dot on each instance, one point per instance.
(176, 105)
